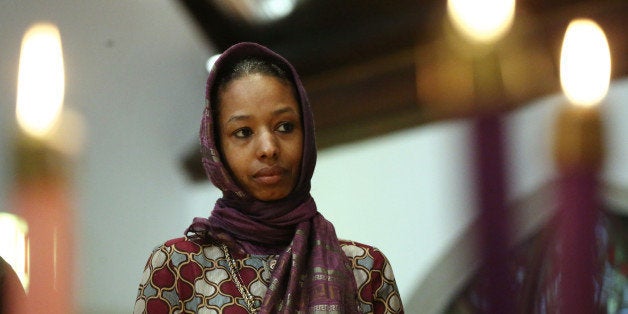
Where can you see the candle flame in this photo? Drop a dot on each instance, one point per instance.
(585, 63)
(14, 245)
(40, 80)
(483, 21)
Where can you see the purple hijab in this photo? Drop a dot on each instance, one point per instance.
(312, 272)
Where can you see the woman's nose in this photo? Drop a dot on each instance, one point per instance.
(268, 146)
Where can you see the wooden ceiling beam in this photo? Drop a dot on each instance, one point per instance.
(431, 80)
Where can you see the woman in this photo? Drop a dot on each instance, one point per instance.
(265, 248)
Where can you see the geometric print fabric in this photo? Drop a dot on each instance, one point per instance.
(182, 276)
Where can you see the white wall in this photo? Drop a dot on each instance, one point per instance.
(135, 71)
(396, 193)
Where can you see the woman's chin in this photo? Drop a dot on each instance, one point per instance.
(270, 196)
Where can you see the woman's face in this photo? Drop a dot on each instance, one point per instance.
(261, 135)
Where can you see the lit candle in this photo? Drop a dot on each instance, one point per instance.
(483, 23)
(41, 192)
(13, 246)
(585, 69)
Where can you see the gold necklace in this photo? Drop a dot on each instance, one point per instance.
(235, 275)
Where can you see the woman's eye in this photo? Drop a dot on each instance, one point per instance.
(243, 133)
(285, 127)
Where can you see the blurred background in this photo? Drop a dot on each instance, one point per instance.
(392, 92)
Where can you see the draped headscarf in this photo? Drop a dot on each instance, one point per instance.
(312, 272)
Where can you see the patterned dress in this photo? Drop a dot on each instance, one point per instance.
(182, 276)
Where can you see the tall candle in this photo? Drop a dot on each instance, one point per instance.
(41, 190)
(13, 266)
(483, 23)
(579, 153)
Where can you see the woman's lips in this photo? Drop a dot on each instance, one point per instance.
(269, 175)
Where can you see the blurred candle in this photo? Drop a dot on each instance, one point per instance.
(14, 245)
(13, 260)
(585, 69)
(483, 23)
(41, 192)
(41, 80)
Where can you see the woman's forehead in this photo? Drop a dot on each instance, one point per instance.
(255, 94)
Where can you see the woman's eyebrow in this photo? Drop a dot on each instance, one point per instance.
(284, 110)
(239, 117)
(242, 117)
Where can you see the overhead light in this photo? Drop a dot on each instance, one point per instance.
(258, 11)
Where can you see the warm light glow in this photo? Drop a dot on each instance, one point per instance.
(69, 138)
(277, 9)
(41, 83)
(483, 21)
(258, 11)
(585, 63)
(13, 245)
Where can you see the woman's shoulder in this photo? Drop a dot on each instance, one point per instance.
(188, 247)
(356, 243)
(354, 246)
(364, 253)
(377, 288)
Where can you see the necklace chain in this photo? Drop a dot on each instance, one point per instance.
(235, 275)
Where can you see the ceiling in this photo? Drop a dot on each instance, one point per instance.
(323, 34)
(373, 67)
